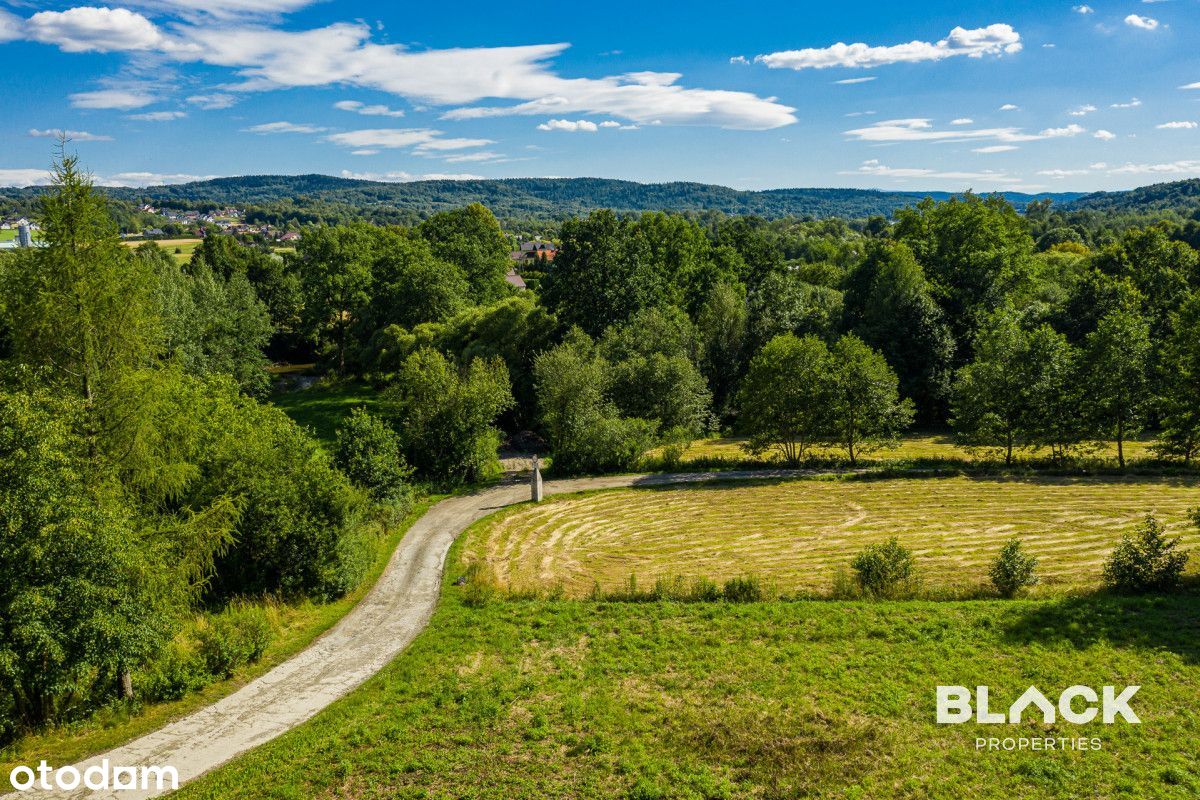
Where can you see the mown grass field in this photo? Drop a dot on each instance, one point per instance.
(911, 448)
(795, 534)
(577, 699)
(185, 247)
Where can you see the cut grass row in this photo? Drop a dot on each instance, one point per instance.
(557, 699)
(795, 534)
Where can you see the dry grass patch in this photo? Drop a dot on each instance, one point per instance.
(794, 534)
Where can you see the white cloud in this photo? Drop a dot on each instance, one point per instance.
(119, 99)
(367, 152)
(159, 116)
(1104, 135)
(922, 130)
(569, 126)
(1133, 103)
(423, 141)
(212, 102)
(874, 167)
(1172, 168)
(344, 53)
(224, 8)
(849, 81)
(1145, 23)
(1057, 133)
(407, 177)
(438, 145)
(1009, 107)
(84, 29)
(739, 60)
(75, 136)
(1083, 9)
(962, 121)
(1172, 126)
(993, 40)
(1082, 111)
(367, 110)
(140, 179)
(483, 156)
(996, 148)
(25, 177)
(1059, 174)
(10, 26)
(282, 127)
(1195, 85)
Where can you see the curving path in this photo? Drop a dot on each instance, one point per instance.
(368, 637)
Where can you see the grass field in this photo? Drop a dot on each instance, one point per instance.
(913, 447)
(322, 408)
(795, 534)
(650, 701)
(185, 247)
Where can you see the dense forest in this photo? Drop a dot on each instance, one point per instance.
(145, 476)
(278, 199)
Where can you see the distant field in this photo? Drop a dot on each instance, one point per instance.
(910, 448)
(795, 534)
(185, 247)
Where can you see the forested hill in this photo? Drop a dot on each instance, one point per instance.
(329, 198)
(1174, 196)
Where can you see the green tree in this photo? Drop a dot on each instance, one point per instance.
(371, 455)
(721, 324)
(865, 408)
(445, 416)
(471, 239)
(603, 273)
(786, 397)
(411, 285)
(1180, 435)
(888, 303)
(1117, 359)
(583, 426)
(335, 267)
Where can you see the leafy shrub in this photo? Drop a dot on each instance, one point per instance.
(174, 674)
(1146, 561)
(1013, 569)
(369, 453)
(884, 570)
(234, 639)
(479, 586)
(747, 589)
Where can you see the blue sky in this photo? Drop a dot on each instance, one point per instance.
(937, 95)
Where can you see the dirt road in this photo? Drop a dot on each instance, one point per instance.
(367, 638)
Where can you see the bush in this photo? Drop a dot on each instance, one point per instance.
(479, 586)
(746, 589)
(1146, 561)
(884, 570)
(235, 638)
(1013, 569)
(369, 453)
(176, 673)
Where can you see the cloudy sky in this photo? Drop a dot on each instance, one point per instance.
(939, 95)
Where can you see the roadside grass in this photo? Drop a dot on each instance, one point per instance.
(915, 448)
(322, 408)
(581, 699)
(299, 624)
(795, 534)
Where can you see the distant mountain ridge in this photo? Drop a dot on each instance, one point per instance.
(553, 198)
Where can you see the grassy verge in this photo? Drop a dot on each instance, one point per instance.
(299, 624)
(552, 699)
(322, 408)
